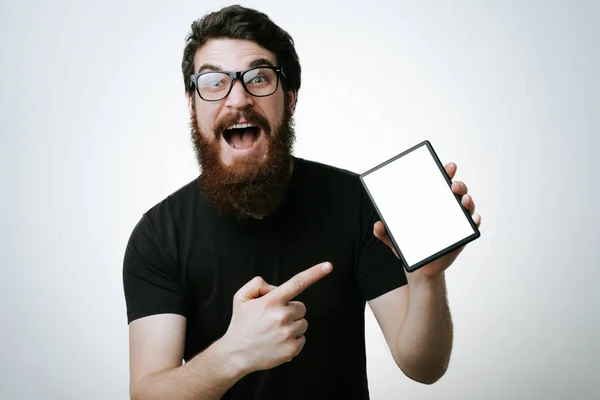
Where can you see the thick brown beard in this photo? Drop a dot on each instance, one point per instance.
(245, 189)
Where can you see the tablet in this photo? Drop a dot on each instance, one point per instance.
(423, 217)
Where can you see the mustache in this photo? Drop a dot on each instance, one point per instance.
(248, 115)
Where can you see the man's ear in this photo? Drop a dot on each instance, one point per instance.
(293, 97)
(191, 102)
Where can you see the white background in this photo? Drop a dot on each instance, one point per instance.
(94, 130)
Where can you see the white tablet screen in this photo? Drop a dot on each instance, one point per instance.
(418, 206)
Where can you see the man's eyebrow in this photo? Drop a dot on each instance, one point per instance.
(256, 63)
(260, 61)
(209, 67)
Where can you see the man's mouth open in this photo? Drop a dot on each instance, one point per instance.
(243, 137)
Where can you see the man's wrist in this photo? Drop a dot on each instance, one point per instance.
(235, 365)
(418, 282)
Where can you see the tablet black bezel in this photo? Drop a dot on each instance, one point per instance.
(448, 249)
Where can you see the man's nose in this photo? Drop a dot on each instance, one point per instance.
(238, 98)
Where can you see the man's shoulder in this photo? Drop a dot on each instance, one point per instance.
(181, 201)
(327, 171)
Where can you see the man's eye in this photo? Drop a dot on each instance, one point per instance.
(212, 80)
(259, 79)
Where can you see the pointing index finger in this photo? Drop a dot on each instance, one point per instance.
(300, 282)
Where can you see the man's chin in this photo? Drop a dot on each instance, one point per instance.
(243, 166)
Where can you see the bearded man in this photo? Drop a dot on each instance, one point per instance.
(251, 281)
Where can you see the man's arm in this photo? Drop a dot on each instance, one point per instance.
(266, 329)
(415, 320)
(156, 346)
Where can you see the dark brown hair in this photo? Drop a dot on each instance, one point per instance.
(237, 22)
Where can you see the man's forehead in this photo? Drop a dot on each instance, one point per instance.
(231, 54)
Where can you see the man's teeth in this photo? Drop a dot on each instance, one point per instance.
(242, 126)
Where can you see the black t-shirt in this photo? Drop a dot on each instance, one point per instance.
(184, 258)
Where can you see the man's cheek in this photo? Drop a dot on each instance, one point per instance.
(209, 132)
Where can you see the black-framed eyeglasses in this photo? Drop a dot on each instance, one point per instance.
(216, 85)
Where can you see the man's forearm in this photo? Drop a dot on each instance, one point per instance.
(206, 377)
(425, 339)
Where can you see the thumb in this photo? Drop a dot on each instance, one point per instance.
(381, 234)
(254, 289)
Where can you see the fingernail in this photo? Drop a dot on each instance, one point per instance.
(326, 267)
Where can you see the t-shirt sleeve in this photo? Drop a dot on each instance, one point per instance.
(151, 282)
(378, 269)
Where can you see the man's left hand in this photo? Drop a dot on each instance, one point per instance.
(436, 267)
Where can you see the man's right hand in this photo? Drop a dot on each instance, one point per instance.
(267, 328)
